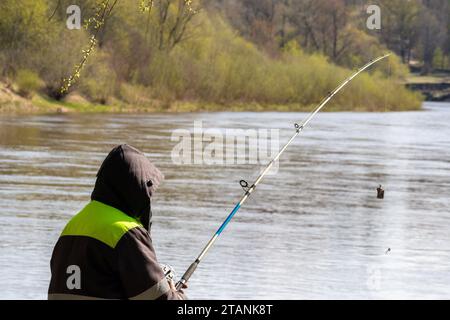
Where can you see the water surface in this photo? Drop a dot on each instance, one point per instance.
(315, 230)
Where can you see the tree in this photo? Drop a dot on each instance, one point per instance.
(169, 17)
(260, 19)
(172, 18)
(400, 30)
(433, 33)
(22, 31)
(322, 26)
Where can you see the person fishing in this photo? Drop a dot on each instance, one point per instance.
(106, 251)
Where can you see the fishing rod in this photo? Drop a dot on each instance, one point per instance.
(249, 189)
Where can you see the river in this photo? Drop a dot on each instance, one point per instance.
(314, 231)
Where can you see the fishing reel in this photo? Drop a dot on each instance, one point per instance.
(169, 272)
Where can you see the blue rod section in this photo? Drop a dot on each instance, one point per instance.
(224, 224)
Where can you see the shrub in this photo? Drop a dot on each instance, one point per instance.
(222, 67)
(99, 80)
(135, 95)
(28, 82)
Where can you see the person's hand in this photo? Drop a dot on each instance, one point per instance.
(173, 288)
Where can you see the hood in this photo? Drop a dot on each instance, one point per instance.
(126, 181)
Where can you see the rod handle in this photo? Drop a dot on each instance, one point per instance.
(187, 275)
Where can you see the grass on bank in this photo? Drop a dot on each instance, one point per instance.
(430, 79)
(36, 102)
(43, 105)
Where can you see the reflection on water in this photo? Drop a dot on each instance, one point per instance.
(316, 230)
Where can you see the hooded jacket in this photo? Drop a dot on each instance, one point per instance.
(105, 251)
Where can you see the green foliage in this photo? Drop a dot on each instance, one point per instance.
(28, 82)
(99, 82)
(221, 67)
(136, 95)
(56, 61)
(439, 60)
(29, 41)
(22, 31)
(211, 65)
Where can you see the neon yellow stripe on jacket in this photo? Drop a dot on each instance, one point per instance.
(101, 222)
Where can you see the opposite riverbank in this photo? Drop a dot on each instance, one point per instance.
(435, 87)
(11, 102)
